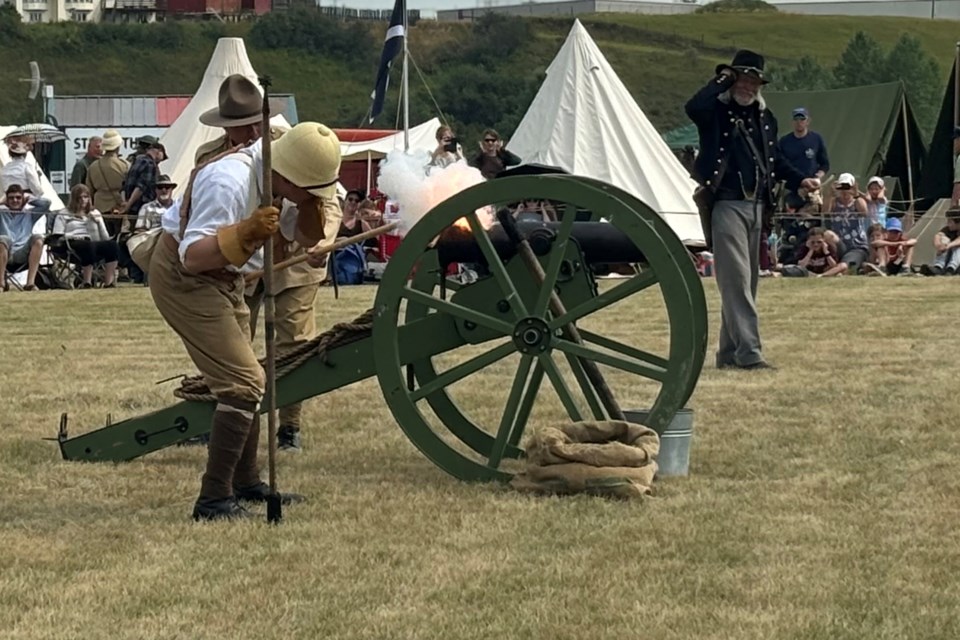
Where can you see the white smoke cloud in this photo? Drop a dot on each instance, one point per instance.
(417, 187)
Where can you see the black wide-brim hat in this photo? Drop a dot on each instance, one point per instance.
(746, 62)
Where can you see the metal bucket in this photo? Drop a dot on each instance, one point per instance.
(674, 456)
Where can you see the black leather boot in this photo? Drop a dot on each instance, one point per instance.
(222, 509)
(288, 438)
(261, 491)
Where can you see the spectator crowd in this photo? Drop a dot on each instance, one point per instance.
(112, 201)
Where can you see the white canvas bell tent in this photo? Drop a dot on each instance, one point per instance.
(585, 121)
(187, 133)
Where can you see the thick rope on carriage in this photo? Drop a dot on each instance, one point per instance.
(194, 388)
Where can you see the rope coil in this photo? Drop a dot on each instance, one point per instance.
(194, 388)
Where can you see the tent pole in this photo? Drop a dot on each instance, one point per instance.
(369, 168)
(906, 143)
(406, 82)
(956, 86)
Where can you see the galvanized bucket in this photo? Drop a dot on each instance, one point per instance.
(674, 456)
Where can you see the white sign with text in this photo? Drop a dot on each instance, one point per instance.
(80, 136)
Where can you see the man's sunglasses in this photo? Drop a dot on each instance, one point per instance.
(353, 200)
(489, 139)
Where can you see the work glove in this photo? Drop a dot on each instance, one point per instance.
(240, 241)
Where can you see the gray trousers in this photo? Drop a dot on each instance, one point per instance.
(736, 255)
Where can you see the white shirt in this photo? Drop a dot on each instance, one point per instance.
(224, 193)
(19, 171)
(73, 226)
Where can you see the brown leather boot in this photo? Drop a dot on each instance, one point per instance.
(246, 481)
(288, 435)
(228, 435)
(248, 472)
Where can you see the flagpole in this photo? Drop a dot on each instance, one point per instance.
(405, 90)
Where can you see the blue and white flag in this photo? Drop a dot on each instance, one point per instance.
(392, 45)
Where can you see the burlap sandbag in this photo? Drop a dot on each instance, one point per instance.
(611, 457)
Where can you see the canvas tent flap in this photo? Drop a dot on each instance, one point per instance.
(682, 137)
(585, 121)
(926, 228)
(422, 137)
(863, 127)
(937, 179)
(187, 133)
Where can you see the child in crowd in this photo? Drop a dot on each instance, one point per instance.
(947, 245)
(816, 257)
(876, 264)
(876, 201)
(896, 248)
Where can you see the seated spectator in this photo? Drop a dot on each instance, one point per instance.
(493, 158)
(149, 215)
(848, 217)
(18, 244)
(876, 199)
(947, 245)
(815, 257)
(448, 148)
(876, 262)
(87, 238)
(359, 214)
(897, 249)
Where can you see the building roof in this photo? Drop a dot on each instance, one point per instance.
(131, 111)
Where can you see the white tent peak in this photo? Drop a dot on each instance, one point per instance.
(187, 133)
(584, 120)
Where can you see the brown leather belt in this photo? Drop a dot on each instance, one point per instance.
(219, 274)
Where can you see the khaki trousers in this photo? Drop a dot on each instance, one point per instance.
(296, 324)
(209, 315)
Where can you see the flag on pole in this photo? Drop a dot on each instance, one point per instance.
(392, 45)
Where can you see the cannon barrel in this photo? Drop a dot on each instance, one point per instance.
(600, 243)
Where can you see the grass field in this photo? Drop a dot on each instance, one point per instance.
(822, 500)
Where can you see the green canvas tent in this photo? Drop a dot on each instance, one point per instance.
(869, 130)
(937, 179)
(682, 137)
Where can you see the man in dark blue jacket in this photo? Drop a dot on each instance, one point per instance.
(739, 163)
(806, 150)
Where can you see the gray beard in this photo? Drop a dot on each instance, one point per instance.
(727, 96)
(744, 102)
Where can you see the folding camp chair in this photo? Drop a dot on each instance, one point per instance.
(64, 269)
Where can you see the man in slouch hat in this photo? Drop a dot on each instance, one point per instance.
(738, 167)
(238, 113)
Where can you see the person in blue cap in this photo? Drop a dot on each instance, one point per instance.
(896, 250)
(806, 150)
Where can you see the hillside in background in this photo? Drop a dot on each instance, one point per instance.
(482, 74)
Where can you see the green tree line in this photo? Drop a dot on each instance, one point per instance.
(473, 75)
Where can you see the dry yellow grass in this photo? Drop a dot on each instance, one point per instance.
(822, 501)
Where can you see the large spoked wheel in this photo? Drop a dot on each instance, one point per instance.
(466, 409)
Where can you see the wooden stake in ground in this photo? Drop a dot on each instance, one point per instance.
(274, 504)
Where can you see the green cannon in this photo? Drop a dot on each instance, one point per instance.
(421, 316)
